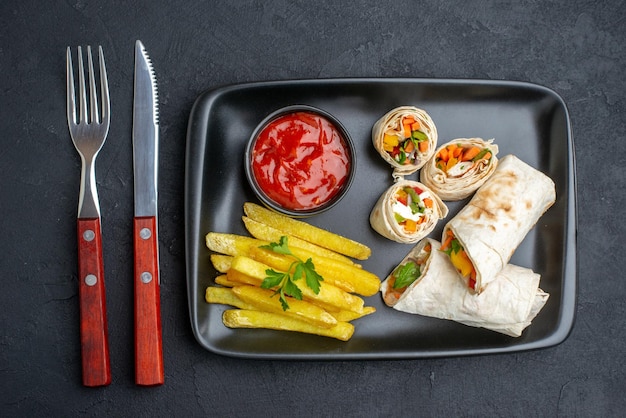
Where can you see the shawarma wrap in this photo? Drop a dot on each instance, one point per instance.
(459, 167)
(407, 212)
(507, 305)
(406, 137)
(482, 237)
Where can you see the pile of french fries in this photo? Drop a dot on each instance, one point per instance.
(242, 266)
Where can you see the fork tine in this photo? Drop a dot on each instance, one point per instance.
(81, 88)
(104, 88)
(71, 101)
(94, 115)
(87, 113)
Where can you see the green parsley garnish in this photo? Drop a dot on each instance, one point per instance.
(285, 281)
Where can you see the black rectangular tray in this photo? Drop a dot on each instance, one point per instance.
(525, 119)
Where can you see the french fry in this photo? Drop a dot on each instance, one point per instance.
(250, 267)
(264, 300)
(361, 281)
(235, 275)
(249, 271)
(266, 232)
(347, 316)
(307, 232)
(231, 244)
(223, 280)
(221, 262)
(244, 318)
(225, 296)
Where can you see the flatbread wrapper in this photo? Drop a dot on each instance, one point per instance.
(500, 215)
(383, 219)
(507, 305)
(391, 124)
(463, 178)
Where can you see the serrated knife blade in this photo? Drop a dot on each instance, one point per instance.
(149, 370)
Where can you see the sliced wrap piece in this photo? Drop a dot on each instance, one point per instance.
(407, 212)
(459, 167)
(507, 305)
(406, 137)
(482, 237)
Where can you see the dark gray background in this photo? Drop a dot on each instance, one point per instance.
(576, 48)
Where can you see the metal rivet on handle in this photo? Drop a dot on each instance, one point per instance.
(90, 280)
(146, 277)
(89, 235)
(145, 233)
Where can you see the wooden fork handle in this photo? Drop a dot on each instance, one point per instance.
(94, 338)
(149, 370)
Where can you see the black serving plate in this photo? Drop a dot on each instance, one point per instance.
(527, 120)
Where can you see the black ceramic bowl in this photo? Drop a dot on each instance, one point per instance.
(298, 170)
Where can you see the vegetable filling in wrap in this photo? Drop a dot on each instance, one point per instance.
(426, 283)
(460, 167)
(407, 212)
(406, 137)
(407, 273)
(482, 237)
(459, 259)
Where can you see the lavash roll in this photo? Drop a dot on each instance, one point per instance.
(507, 305)
(391, 122)
(464, 177)
(500, 215)
(383, 219)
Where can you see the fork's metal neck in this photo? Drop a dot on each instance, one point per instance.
(88, 205)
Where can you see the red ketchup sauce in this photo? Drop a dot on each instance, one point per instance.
(300, 160)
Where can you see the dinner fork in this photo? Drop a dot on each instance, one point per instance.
(88, 134)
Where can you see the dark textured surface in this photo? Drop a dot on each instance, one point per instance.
(576, 48)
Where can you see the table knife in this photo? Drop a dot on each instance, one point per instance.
(149, 370)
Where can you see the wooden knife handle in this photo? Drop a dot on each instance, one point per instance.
(148, 341)
(94, 337)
